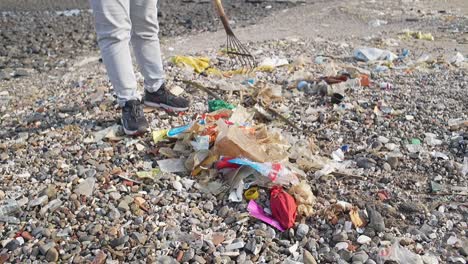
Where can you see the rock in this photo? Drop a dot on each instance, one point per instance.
(464, 248)
(360, 256)
(301, 231)
(52, 255)
(364, 240)
(100, 258)
(308, 258)
(123, 205)
(345, 254)
(141, 238)
(119, 241)
(387, 167)
(39, 201)
(340, 237)
(233, 246)
(13, 245)
(251, 246)
(86, 187)
(376, 220)
(177, 186)
(44, 248)
(188, 255)
(208, 206)
(393, 162)
(429, 259)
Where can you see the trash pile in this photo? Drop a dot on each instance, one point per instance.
(241, 159)
(357, 155)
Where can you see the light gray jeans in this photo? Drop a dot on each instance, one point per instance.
(119, 22)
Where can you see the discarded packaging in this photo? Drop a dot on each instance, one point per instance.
(398, 254)
(199, 64)
(159, 135)
(356, 218)
(215, 105)
(235, 142)
(252, 194)
(373, 54)
(276, 172)
(256, 211)
(305, 199)
(283, 207)
(172, 165)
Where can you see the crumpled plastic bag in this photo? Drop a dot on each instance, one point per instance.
(398, 254)
(373, 54)
(305, 199)
(283, 207)
(199, 64)
(257, 211)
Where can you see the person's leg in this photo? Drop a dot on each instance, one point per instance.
(113, 28)
(145, 41)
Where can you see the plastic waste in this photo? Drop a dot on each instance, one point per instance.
(302, 85)
(252, 194)
(199, 64)
(305, 199)
(215, 105)
(398, 254)
(159, 135)
(233, 141)
(380, 68)
(172, 165)
(338, 155)
(420, 35)
(201, 143)
(273, 62)
(257, 212)
(377, 23)
(241, 116)
(386, 86)
(356, 218)
(337, 98)
(174, 132)
(431, 139)
(236, 194)
(457, 59)
(110, 133)
(276, 172)
(373, 54)
(283, 207)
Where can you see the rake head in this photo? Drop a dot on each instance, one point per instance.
(234, 48)
(239, 53)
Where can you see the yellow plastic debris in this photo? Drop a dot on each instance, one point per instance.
(199, 64)
(420, 35)
(252, 194)
(159, 135)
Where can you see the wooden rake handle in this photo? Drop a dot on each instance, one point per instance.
(222, 15)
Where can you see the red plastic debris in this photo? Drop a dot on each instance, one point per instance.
(283, 207)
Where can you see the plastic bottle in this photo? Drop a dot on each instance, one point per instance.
(277, 172)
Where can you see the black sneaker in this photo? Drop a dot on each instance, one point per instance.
(164, 99)
(133, 118)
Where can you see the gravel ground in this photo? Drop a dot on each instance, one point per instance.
(68, 197)
(39, 41)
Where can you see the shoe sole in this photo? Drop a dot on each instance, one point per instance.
(132, 132)
(166, 107)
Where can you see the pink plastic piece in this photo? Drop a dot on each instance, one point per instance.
(256, 211)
